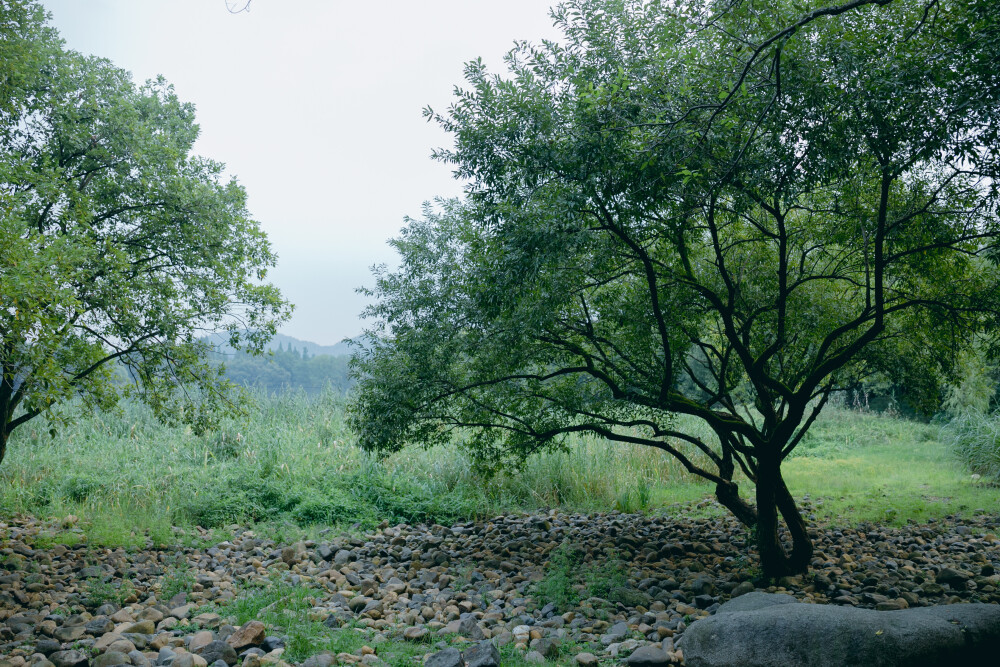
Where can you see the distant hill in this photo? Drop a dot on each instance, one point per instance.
(285, 342)
(291, 364)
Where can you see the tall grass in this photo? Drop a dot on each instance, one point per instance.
(975, 439)
(294, 467)
(128, 477)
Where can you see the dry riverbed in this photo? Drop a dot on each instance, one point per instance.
(627, 586)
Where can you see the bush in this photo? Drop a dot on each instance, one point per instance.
(975, 440)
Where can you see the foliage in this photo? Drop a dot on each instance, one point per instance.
(97, 592)
(298, 472)
(118, 248)
(728, 211)
(284, 369)
(178, 579)
(975, 440)
(973, 390)
(558, 585)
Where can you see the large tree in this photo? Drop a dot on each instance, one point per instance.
(719, 212)
(119, 249)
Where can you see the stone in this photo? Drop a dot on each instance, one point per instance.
(146, 627)
(218, 650)
(414, 633)
(585, 659)
(648, 656)
(469, 628)
(450, 657)
(71, 658)
(534, 657)
(251, 633)
(952, 577)
(321, 659)
(99, 625)
(70, 634)
(548, 647)
(615, 633)
(112, 658)
(483, 654)
(782, 633)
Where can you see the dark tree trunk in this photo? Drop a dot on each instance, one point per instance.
(773, 497)
(802, 547)
(4, 436)
(773, 561)
(728, 496)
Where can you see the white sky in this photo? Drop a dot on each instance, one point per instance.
(315, 106)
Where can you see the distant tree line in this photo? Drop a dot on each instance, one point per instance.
(286, 369)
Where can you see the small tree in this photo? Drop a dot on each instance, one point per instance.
(718, 211)
(118, 248)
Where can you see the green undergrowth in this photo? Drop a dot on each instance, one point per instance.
(293, 470)
(858, 467)
(289, 610)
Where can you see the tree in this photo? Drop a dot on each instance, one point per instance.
(710, 212)
(118, 248)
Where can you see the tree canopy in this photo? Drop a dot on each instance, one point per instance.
(118, 247)
(719, 210)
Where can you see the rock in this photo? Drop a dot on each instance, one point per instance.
(251, 633)
(188, 660)
(534, 657)
(47, 646)
(70, 634)
(200, 639)
(99, 625)
(952, 577)
(450, 657)
(483, 654)
(756, 600)
(141, 628)
(547, 647)
(782, 634)
(469, 628)
(112, 658)
(414, 634)
(71, 658)
(343, 557)
(218, 650)
(742, 589)
(321, 659)
(616, 633)
(586, 659)
(648, 656)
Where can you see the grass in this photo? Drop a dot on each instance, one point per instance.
(861, 467)
(287, 609)
(293, 471)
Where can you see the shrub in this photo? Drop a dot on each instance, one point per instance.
(975, 440)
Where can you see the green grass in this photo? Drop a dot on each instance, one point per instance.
(861, 467)
(293, 470)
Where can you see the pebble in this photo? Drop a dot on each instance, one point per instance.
(472, 579)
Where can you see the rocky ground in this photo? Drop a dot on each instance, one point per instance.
(633, 583)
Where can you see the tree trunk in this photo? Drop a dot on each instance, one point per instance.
(773, 561)
(4, 436)
(728, 496)
(802, 547)
(773, 497)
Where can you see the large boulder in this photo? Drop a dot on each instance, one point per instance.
(761, 630)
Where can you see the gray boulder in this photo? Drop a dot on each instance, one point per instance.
(483, 654)
(450, 657)
(218, 650)
(770, 631)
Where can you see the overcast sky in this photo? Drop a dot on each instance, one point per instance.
(315, 106)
